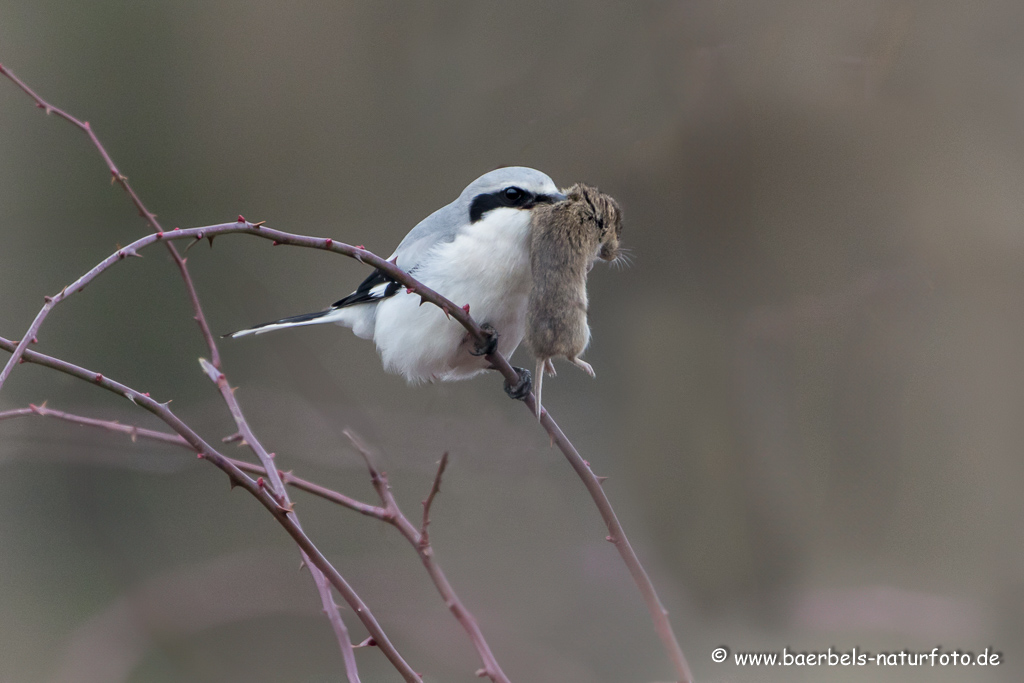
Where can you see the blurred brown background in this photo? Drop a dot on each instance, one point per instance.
(809, 395)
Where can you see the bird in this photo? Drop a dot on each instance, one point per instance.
(476, 251)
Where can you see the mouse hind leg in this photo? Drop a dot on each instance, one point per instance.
(584, 366)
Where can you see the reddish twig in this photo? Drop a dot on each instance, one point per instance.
(284, 515)
(149, 216)
(435, 488)
(175, 440)
(130, 430)
(281, 494)
(419, 540)
(389, 513)
(617, 536)
(116, 176)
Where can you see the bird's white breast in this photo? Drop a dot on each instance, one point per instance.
(487, 266)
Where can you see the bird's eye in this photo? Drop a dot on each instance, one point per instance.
(513, 194)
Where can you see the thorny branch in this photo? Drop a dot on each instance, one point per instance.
(394, 516)
(617, 536)
(330, 609)
(388, 512)
(279, 492)
(149, 216)
(284, 515)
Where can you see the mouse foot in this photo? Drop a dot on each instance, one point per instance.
(584, 366)
(523, 387)
(488, 347)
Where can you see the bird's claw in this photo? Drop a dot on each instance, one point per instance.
(489, 346)
(523, 387)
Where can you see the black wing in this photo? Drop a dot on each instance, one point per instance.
(374, 288)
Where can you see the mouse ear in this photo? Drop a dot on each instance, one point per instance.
(576, 192)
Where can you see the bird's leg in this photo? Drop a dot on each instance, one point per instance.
(489, 346)
(584, 366)
(549, 367)
(521, 389)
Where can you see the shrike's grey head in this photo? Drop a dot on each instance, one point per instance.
(514, 187)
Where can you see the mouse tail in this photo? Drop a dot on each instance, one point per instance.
(538, 383)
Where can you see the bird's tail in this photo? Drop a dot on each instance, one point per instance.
(331, 315)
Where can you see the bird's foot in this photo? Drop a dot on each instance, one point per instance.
(489, 346)
(521, 389)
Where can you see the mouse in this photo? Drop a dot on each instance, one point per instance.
(566, 239)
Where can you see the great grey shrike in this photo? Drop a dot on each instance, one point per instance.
(474, 250)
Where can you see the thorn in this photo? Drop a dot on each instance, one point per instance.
(241, 218)
(602, 480)
(422, 300)
(480, 673)
(210, 237)
(233, 484)
(234, 437)
(48, 299)
(199, 238)
(394, 260)
(369, 642)
(466, 309)
(447, 313)
(257, 225)
(286, 508)
(328, 242)
(302, 565)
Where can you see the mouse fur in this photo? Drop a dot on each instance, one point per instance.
(566, 239)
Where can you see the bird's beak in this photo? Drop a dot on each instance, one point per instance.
(557, 197)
